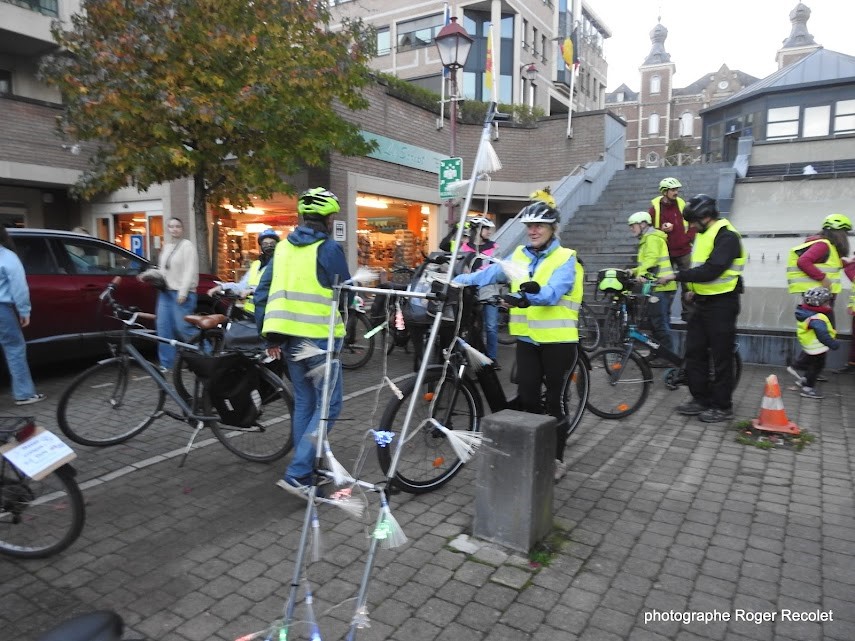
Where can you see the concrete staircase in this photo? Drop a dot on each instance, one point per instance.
(599, 232)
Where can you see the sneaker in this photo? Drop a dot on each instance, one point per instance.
(821, 379)
(797, 375)
(496, 366)
(811, 392)
(560, 470)
(691, 408)
(299, 487)
(716, 415)
(35, 398)
(849, 368)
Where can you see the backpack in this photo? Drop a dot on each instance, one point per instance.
(422, 311)
(232, 385)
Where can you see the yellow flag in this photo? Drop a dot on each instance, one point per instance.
(489, 82)
(567, 52)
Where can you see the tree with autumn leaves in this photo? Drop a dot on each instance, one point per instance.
(236, 94)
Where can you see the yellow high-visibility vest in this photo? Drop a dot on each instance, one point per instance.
(701, 252)
(656, 203)
(807, 336)
(548, 323)
(255, 272)
(799, 282)
(653, 252)
(298, 304)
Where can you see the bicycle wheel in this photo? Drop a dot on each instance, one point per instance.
(39, 518)
(575, 394)
(270, 437)
(620, 383)
(182, 378)
(427, 460)
(356, 350)
(589, 329)
(504, 337)
(109, 403)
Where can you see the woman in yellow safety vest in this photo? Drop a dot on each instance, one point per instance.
(245, 287)
(544, 315)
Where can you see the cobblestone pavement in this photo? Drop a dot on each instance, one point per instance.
(665, 518)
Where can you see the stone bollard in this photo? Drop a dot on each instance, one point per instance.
(513, 490)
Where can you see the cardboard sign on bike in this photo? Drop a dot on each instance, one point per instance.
(39, 455)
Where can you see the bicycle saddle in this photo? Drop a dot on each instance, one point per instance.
(206, 322)
(102, 625)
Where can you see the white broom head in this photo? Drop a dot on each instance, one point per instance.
(316, 374)
(458, 187)
(316, 536)
(307, 350)
(476, 359)
(514, 271)
(395, 389)
(340, 476)
(388, 530)
(463, 443)
(363, 275)
(353, 506)
(360, 618)
(489, 161)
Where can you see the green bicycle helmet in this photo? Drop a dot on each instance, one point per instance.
(318, 202)
(639, 217)
(669, 183)
(837, 221)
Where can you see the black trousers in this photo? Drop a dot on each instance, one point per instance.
(812, 365)
(549, 363)
(711, 332)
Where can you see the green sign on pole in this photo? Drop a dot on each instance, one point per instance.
(450, 171)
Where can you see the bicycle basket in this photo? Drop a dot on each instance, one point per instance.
(613, 281)
(232, 385)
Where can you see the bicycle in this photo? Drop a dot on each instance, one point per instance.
(621, 376)
(450, 394)
(120, 397)
(38, 517)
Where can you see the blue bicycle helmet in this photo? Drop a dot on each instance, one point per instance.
(268, 233)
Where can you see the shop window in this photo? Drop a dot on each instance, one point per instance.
(687, 122)
(817, 120)
(844, 117)
(653, 125)
(782, 122)
(384, 41)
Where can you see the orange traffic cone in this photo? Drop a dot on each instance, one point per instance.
(773, 418)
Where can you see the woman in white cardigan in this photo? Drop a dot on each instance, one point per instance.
(178, 270)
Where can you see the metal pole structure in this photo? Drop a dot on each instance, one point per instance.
(452, 112)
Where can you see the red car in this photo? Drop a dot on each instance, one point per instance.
(66, 272)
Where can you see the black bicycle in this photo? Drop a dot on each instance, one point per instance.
(39, 516)
(449, 394)
(120, 397)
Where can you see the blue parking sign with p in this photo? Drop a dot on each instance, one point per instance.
(137, 245)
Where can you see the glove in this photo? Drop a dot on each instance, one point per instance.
(511, 300)
(530, 287)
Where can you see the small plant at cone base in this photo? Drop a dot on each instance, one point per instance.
(363, 275)
(544, 551)
(382, 437)
(747, 434)
(316, 535)
(360, 618)
(306, 350)
(395, 389)
(388, 531)
(340, 476)
(476, 359)
(463, 443)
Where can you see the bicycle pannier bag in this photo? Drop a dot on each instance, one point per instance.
(232, 385)
(421, 311)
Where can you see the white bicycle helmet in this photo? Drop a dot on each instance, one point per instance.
(539, 212)
(639, 217)
(480, 221)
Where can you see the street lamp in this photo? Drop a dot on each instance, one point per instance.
(453, 45)
(530, 72)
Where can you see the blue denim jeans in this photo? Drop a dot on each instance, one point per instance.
(15, 351)
(170, 323)
(660, 319)
(308, 394)
(490, 315)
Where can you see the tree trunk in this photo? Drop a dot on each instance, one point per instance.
(207, 258)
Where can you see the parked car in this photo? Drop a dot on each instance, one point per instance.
(66, 272)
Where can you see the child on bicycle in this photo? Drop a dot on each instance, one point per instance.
(816, 335)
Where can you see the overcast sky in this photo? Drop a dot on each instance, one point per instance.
(743, 34)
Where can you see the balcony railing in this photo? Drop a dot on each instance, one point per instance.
(45, 7)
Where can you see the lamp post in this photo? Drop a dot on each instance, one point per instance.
(453, 44)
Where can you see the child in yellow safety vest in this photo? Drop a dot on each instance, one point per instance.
(816, 335)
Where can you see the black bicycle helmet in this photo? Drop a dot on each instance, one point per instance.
(698, 207)
(539, 212)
